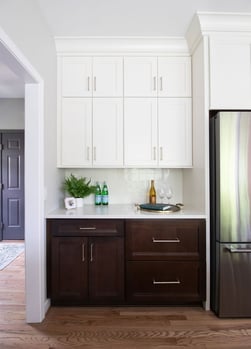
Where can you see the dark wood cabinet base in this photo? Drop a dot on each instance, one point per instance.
(126, 262)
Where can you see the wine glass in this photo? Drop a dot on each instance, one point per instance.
(161, 193)
(169, 194)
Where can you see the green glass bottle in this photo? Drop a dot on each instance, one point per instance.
(105, 194)
(98, 194)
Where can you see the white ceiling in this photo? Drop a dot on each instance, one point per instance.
(129, 17)
(117, 18)
(11, 86)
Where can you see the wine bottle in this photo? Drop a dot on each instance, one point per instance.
(105, 194)
(98, 194)
(152, 193)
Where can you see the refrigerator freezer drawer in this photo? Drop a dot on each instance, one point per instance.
(233, 280)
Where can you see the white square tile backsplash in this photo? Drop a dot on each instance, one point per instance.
(129, 186)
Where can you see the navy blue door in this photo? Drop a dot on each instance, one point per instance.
(12, 186)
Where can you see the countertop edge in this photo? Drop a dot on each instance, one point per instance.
(121, 212)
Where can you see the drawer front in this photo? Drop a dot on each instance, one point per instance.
(164, 240)
(165, 282)
(86, 227)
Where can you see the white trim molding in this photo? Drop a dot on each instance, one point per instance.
(209, 23)
(121, 45)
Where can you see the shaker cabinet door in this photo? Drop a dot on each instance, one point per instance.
(107, 77)
(74, 133)
(140, 76)
(175, 132)
(108, 132)
(69, 270)
(75, 76)
(106, 270)
(140, 132)
(230, 73)
(174, 76)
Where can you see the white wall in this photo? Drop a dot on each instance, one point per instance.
(23, 23)
(29, 36)
(11, 114)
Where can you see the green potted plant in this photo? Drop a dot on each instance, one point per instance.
(78, 188)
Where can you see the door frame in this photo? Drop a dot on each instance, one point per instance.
(35, 274)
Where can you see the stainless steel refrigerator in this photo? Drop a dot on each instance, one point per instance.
(230, 213)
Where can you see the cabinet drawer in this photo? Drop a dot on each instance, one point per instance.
(86, 227)
(165, 240)
(164, 282)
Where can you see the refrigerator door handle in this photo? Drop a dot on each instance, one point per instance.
(239, 250)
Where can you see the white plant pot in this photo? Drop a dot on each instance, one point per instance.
(79, 202)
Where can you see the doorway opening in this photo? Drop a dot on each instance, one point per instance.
(35, 278)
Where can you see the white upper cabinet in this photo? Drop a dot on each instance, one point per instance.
(107, 132)
(230, 72)
(158, 132)
(140, 132)
(175, 132)
(130, 110)
(107, 77)
(174, 77)
(74, 133)
(90, 132)
(140, 76)
(91, 76)
(157, 76)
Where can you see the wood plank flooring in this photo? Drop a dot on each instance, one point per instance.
(112, 328)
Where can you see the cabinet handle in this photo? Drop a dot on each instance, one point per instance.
(161, 153)
(88, 153)
(239, 250)
(161, 83)
(88, 83)
(154, 153)
(175, 282)
(154, 83)
(94, 153)
(91, 252)
(83, 252)
(87, 228)
(177, 240)
(94, 83)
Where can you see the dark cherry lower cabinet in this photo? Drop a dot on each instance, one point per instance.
(86, 269)
(164, 261)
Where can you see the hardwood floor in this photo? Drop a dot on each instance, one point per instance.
(103, 328)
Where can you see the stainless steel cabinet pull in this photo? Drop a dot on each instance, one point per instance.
(177, 240)
(154, 83)
(83, 252)
(161, 83)
(239, 250)
(94, 83)
(88, 83)
(176, 282)
(94, 153)
(87, 228)
(161, 153)
(91, 252)
(88, 153)
(154, 153)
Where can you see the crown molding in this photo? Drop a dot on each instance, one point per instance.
(209, 23)
(121, 45)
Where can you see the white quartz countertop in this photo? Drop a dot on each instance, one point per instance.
(116, 211)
